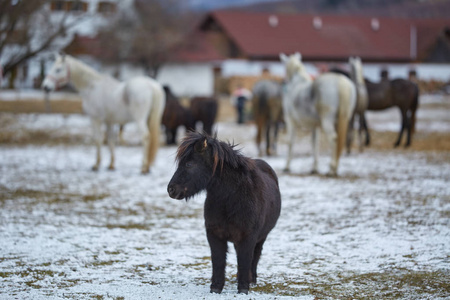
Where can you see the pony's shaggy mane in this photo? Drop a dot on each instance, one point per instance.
(222, 153)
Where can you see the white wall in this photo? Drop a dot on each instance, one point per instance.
(196, 79)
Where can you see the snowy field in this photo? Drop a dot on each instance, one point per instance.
(381, 230)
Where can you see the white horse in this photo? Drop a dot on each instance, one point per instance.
(362, 102)
(109, 101)
(326, 103)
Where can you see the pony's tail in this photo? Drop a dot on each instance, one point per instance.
(154, 123)
(347, 95)
(414, 107)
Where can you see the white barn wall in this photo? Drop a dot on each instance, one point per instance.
(187, 80)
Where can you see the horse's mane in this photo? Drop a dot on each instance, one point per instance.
(82, 73)
(223, 154)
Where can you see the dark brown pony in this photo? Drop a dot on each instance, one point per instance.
(397, 92)
(268, 113)
(204, 110)
(242, 203)
(175, 115)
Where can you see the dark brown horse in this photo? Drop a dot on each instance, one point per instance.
(268, 113)
(242, 203)
(389, 93)
(204, 110)
(397, 92)
(175, 115)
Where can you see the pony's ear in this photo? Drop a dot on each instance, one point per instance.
(201, 146)
(298, 56)
(283, 57)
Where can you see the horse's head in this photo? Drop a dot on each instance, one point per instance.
(198, 157)
(294, 66)
(356, 71)
(195, 166)
(59, 74)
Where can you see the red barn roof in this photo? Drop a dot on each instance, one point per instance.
(324, 37)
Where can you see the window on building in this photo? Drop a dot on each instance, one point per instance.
(75, 5)
(106, 7)
(58, 5)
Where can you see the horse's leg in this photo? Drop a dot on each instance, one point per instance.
(404, 120)
(218, 258)
(330, 131)
(98, 138)
(408, 129)
(268, 138)
(276, 126)
(111, 141)
(173, 136)
(244, 251)
(315, 147)
(143, 129)
(291, 133)
(360, 131)
(366, 129)
(256, 256)
(350, 133)
(121, 128)
(259, 126)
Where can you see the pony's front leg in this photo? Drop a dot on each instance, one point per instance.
(98, 138)
(111, 141)
(218, 257)
(315, 147)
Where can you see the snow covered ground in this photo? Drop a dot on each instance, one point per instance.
(379, 230)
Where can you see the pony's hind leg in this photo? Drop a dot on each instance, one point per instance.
(111, 142)
(98, 139)
(256, 256)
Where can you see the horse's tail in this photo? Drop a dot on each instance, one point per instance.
(414, 107)
(154, 122)
(347, 101)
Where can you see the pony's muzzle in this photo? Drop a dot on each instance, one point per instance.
(175, 192)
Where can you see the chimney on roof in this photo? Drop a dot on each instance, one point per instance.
(317, 22)
(273, 21)
(375, 24)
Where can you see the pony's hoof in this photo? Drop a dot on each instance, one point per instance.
(215, 291)
(332, 174)
(286, 170)
(314, 172)
(94, 168)
(111, 168)
(243, 291)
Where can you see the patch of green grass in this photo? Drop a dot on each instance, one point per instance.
(128, 226)
(392, 284)
(48, 196)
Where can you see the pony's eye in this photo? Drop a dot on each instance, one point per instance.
(189, 165)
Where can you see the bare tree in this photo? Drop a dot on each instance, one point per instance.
(26, 29)
(147, 34)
